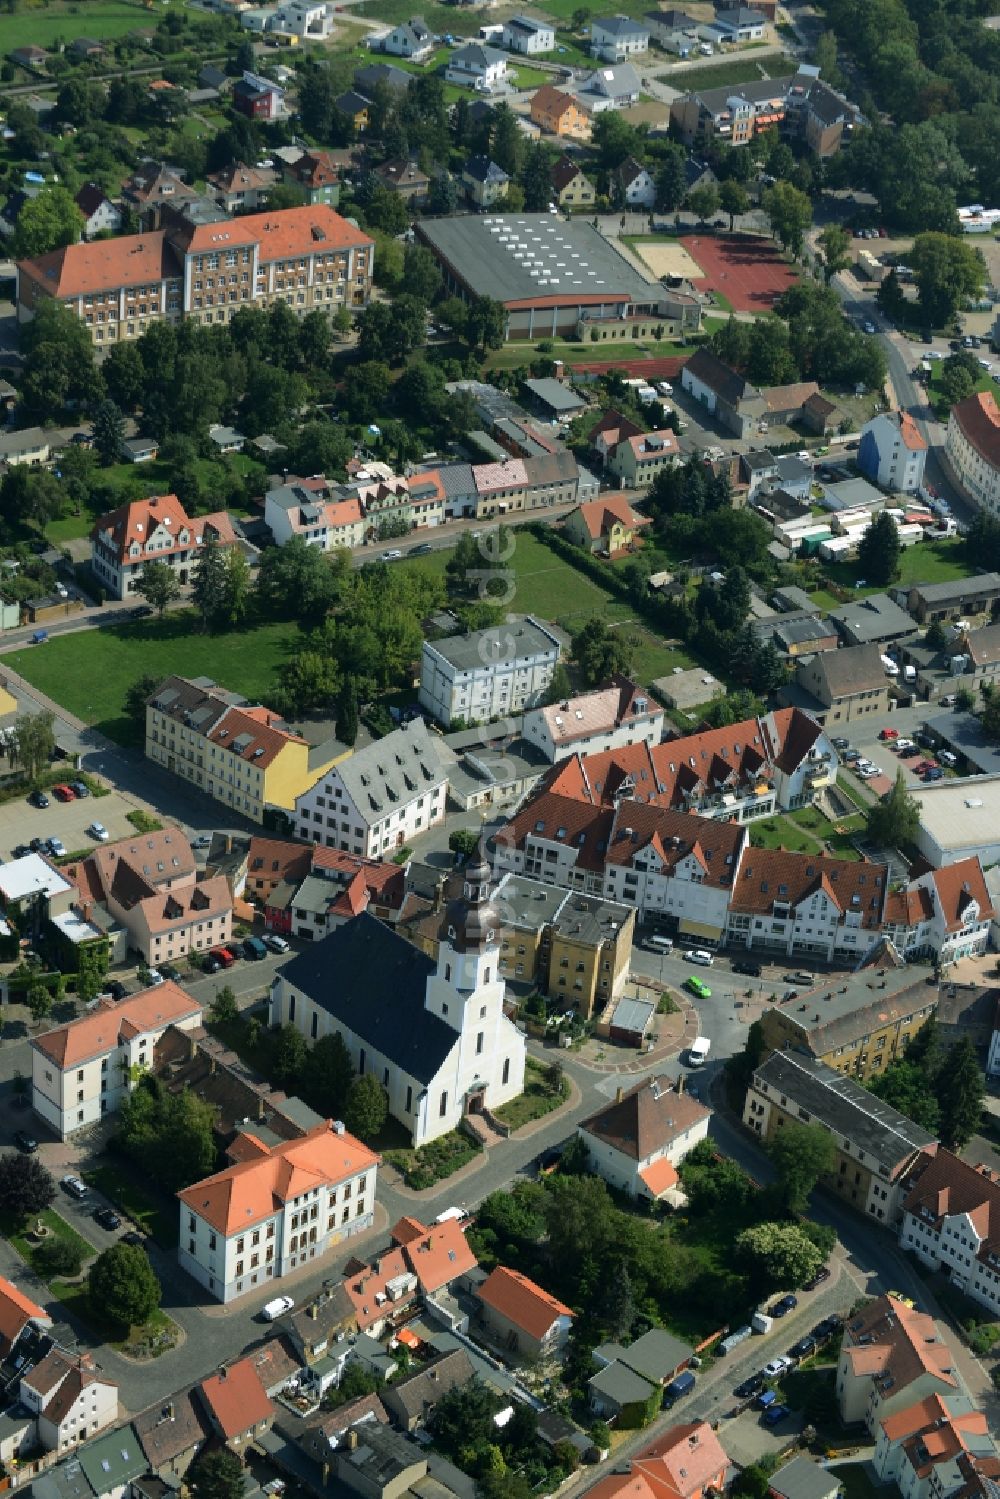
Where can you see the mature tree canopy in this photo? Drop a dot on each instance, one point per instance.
(947, 270)
(895, 820)
(159, 586)
(778, 1255)
(26, 1187)
(170, 1135)
(367, 1107)
(123, 1284)
(802, 1154)
(878, 551)
(47, 222)
(217, 1474)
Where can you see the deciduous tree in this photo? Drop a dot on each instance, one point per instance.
(26, 1187)
(47, 222)
(34, 739)
(733, 199)
(961, 1089)
(789, 212)
(802, 1154)
(367, 1107)
(947, 270)
(895, 820)
(158, 585)
(777, 1255)
(123, 1284)
(218, 1474)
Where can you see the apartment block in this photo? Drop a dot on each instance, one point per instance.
(856, 1023)
(488, 674)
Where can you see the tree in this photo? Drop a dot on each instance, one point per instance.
(463, 841)
(777, 1255)
(158, 585)
(895, 820)
(961, 1089)
(903, 1086)
(618, 1310)
(39, 1002)
(136, 698)
(59, 1257)
(171, 1135)
(947, 270)
(288, 1057)
(935, 639)
(34, 742)
(209, 584)
(308, 682)
(835, 242)
(47, 222)
(224, 1005)
(560, 688)
(802, 1154)
(26, 1188)
(733, 199)
(237, 587)
(59, 362)
(327, 1075)
(124, 1285)
(990, 718)
(442, 196)
(366, 1108)
(671, 183)
(600, 652)
(486, 324)
(108, 431)
(790, 213)
(955, 383)
(878, 551)
(703, 201)
(218, 1474)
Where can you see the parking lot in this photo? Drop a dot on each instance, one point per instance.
(20, 822)
(906, 721)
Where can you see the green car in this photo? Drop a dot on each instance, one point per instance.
(698, 987)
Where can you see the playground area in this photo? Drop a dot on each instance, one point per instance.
(750, 272)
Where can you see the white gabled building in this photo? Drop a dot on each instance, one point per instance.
(951, 1222)
(892, 452)
(377, 799)
(945, 913)
(528, 35)
(68, 1398)
(477, 67)
(488, 674)
(276, 1209)
(617, 38)
(412, 39)
(609, 718)
(432, 1031)
(306, 509)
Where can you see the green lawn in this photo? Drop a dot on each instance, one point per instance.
(58, 1228)
(925, 562)
(90, 672)
(63, 20)
(441, 19)
(155, 1217)
(135, 480)
(737, 70)
(807, 831)
(537, 1100)
(572, 351)
(984, 381)
(75, 1296)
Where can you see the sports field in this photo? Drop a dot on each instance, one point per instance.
(751, 272)
(669, 258)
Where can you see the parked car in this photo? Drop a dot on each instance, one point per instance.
(937, 774)
(117, 990)
(254, 949)
(223, 957)
(549, 1160)
(948, 758)
(99, 831)
(840, 743)
(888, 735)
(745, 965)
(751, 1386)
(779, 1365)
(277, 1308)
(699, 955)
(79, 789)
(20, 851)
(393, 555)
(155, 978)
(56, 848)
(822, 1274)
(775, 1414)
(73, 1187)
(62, 793)
(25, 1142)
(107, 1218)
(37, 845)
(802, 977)
(203, 840)
(804, 1348)
(133, 1236)
(904, 747)
(420, 549)
(212, 964)
(38, 799)
(783, 1306)
(170, 972)
(852, 757)
(274, 942)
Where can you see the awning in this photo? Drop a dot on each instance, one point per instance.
(699, 929)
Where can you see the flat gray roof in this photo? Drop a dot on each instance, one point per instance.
(960, 814)
(555, 394)
(524, 257)
(505, 644)
(524, 902)
(964, 732)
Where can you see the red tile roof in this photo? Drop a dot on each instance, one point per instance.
(103, 265)
(236, 1399)
(944, 1186)
(769, 874)
(683, 1462)
(440, 1255)
(910, 433)
(978, 418)
(522, 1302)
(600, 515)
(102, 1030)
(136, 521)
(896, 1345)
(16, 1311)
(957, 886)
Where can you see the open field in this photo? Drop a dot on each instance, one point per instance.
(926, 562)
(669, 258)
(751, 272)
(738, 70)
(134, 481)
(90, 672)
(64, 20)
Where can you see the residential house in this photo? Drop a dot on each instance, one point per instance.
(730, 398)
(139, 449)
(841, 687)
(575, 948)
(173, 1433)
(238, 186)
(82, 1071)
(368, 78)
(570, 185)
(891, 1356)
(477, 67)
(635, 184)
(113, 1463)
(634, 1377)
(522, 1318)
(952, 600)
(273, 861)
(608, 718)
(637, 1142)
(800, 105)
(951, 1222)
(480, 676)
(485, 183)
(100, 215)
(939, 1445)
(315, 173)
(740, 24)
(29, 57)
(411, 1398)
(556, 111)
(149, 886)
(258, 98)
(28, 446)
(945, 913)
(606, 526)
(236, 1403)
(892, 452)
(617, 38)
(528, 35)
(972, 444)
(86, 47)
(306, 508)
(241, 754)
(376, 800)
(804, 1478)
(383, 1294)
(673, 30)
(277, 1207)
(798, 634)
(316, 1328)
(613, 87)
(858, 1023)
(875, 1146)
(874, 620)
(69, 1399)
(636, 461)
(412, 39)
(151, 186)
(433, 1032)
(356, 107)
(404, 177)
(337, 887)
(19, 1315)
(686, 1462)
(155, 529)
(437, 1256)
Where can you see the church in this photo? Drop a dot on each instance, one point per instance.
(432, 1031)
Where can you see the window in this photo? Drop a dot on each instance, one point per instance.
(443, 1108)
(479, 1044)
(506, 1071)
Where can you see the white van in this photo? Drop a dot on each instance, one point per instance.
(452, 1215)
(660, 944)
(698, 1051)
(889, 667)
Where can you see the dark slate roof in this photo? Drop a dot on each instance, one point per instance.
(373, 982)
(382, 72)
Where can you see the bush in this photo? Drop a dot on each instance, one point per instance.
(59, 1257)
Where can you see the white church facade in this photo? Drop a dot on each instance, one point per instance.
(433, 1032)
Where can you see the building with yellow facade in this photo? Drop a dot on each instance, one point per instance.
(856, 1023)
(239, 753)
(576, 949)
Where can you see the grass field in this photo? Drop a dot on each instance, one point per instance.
(90, 672)
(984, 381)
(738, 70)
(158, 1219)
(807, 831)
(441, 19)
(63, 20)
(572, 352)
(926, 562)
(57, 1227)
(137, 480)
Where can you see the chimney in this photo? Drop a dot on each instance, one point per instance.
(86, 907)
(351, 1438)
(314, 1310)
(619, 1094)
(170, 1410)
(439, 895)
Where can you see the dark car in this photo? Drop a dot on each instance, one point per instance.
(840, 742)
(107, 1218)
(211, 964)
(79, 789)
(117, 989)
(20, 851)
(135, 1237)
(822, 1274)
(549, 1160)
(783, 1307)
(25, 1142)
(38, 799)
(751, 1386)
(927, 337)
(851, 756)
(170, 972)
(419, 550)
(804, 1348)
(744, 965)
(36, 845)
(775, 1413)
